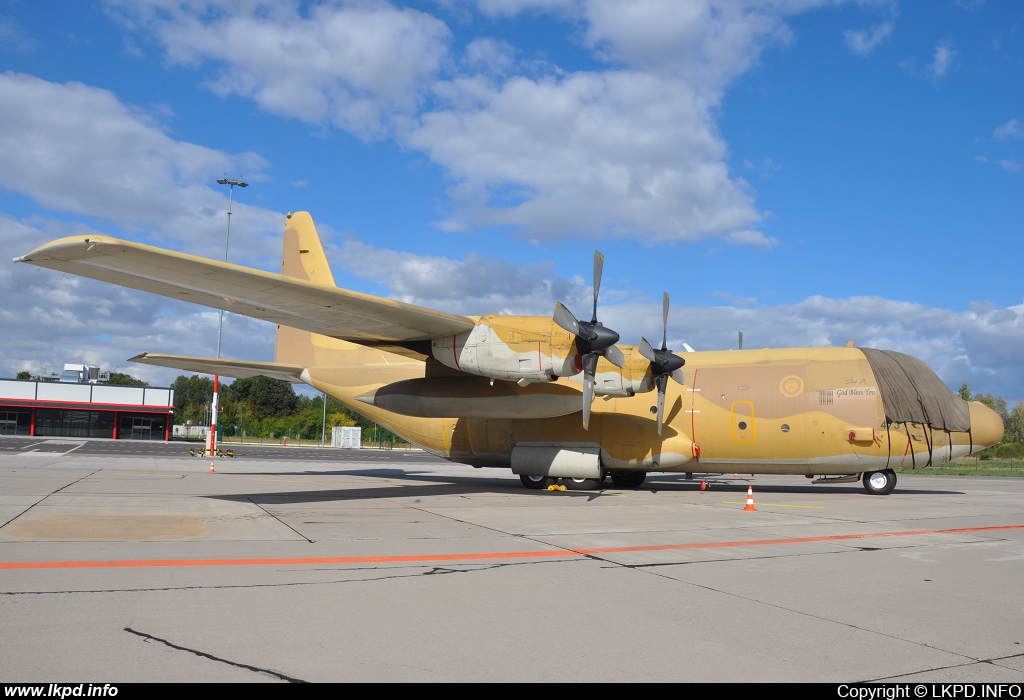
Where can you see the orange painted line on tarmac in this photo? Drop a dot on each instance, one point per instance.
(794, 540)
(475, 556)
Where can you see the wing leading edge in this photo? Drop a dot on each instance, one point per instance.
(238, 369)
(331, 311)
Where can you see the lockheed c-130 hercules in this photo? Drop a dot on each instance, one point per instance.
(510, 391)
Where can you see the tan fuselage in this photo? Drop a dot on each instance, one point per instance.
(798, 411)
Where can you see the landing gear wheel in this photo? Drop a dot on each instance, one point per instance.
(582, 484)
(628, 480)
(537, 483)
(880, 483)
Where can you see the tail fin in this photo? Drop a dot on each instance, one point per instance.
(303, 255)
(303, 258)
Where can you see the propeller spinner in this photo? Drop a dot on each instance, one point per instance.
(664, 363)
(593, 340)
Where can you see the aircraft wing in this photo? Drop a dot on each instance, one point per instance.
(288, 301)
(238, 369)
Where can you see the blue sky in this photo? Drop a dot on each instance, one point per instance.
(807, 172)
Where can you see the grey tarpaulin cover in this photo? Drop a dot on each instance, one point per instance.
(912, 392)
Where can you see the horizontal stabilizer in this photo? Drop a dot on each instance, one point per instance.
(238, 369)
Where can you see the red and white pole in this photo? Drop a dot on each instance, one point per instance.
(213, 415)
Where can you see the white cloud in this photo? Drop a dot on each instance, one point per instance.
(618, 153)
(735, 300)
(77, 149)
(50, 318)
(942, 59)
(863, 42)
(477, 285)
(14, 38)
(632, 150)
(1011, 129)
(357, 65)
(507, 8)
(754, 239)
(1010, 165)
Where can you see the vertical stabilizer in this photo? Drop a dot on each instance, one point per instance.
(303, 258)
(303, 255)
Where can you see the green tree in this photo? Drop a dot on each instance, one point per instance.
(24, 374)
(964, 392)
(191, 396)
(996, 403)
(1015, 424)
(121, 379)
(271, 398)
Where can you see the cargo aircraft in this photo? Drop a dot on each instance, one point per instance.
(519, 391)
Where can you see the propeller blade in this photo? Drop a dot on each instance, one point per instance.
(598, 267)
(678, 376)
(589, 367)
(566, 319)
(741, 340)
(614, 355)
(646, 351)
(588, 397)
(664, 323)
(662, 382)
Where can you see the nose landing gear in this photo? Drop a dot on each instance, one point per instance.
(880, 483)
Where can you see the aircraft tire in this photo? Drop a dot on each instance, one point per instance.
(536, 483)
(582, 484)
(880, 483)
(628, 480)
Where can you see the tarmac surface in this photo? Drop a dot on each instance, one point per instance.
(124, 561)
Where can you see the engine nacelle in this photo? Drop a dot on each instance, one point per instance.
(528, 349)
(512, 348)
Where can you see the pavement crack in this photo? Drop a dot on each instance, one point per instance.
(47, 496)
(653, 571)
(433, 571)
(279, 520)
(992, 662)
(255, 669)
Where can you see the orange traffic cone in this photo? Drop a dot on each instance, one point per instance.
(750, 499)
(211, 467)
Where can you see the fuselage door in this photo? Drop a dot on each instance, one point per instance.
(742, 415)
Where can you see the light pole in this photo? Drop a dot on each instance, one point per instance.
(220, 326)
(323, 430)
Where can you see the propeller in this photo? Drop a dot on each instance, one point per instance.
(593, 340)
(664, 363)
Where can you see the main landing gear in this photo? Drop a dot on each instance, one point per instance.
(622, 480)
(880, 483)
(628, 480)
(537, 483)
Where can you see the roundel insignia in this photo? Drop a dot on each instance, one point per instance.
(791, 386)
